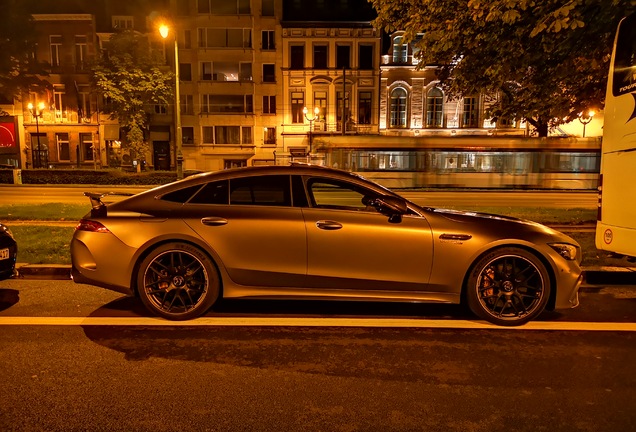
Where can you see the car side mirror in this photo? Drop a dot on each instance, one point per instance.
(391, 206)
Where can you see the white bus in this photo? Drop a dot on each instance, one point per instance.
(616, 224)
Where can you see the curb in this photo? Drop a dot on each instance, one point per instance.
(594, 277)
(43, 271)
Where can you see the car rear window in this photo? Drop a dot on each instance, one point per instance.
(212, 193)
(181, 195)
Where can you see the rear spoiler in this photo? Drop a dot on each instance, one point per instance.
(98, 207)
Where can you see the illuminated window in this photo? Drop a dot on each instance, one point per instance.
(400, 51)
(398, 108)
(56, 46)
(470, 113)
(434, 106)
(364, 107)
(297, 105)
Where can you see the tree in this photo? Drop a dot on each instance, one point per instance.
(132, 79)
(19, 68)
(546, 60)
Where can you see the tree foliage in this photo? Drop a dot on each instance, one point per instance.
(132, 79)
(546, 60)
(19, 68)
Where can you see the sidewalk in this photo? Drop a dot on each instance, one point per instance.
(594, 276)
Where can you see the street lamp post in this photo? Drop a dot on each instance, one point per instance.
(585, 119)
(164, 30)
(311, 124)
(37, 113)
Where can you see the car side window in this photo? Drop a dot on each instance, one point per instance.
(335, 194)
(212, 193)
(181, 195)
(268, 190)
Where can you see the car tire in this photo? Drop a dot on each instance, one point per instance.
(508, 287)
(178, 281)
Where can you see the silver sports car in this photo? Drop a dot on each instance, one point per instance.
(309, 232)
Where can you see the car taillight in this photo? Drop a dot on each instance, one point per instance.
(92, 226)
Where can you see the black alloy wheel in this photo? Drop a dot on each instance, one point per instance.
(509, 286)
(178, 281)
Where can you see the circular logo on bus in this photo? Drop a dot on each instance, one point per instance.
(608, 236)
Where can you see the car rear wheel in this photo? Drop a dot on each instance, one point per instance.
(509, 286)
(178, 281)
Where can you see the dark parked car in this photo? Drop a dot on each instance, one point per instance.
(309, 232)
(8, 252)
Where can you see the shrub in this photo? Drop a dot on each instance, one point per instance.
(80, 176)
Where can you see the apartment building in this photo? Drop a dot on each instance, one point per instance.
(230, 74)
(61, 127)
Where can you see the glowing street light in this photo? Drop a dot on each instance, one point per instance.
(585, 119)
(311, 123)
(164, 30)
(37, 113)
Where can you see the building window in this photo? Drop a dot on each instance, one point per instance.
(81, 52)
(63, 147)
(470, 113)
(187, 104)
(122, 22)
(320, 101)
(269, 104)
(183, 8)
(269, 135)
(227, 135)
(320, 56)
(246, 135)
(226, 71)
(364, 107)
(208, 134)
(343, 56)
(59, 96)
(187, 135)
(56, 46)
(84, 106)
(240, 104)
(398, 108)
(234, 163)
(434, 106)
(297, 105)
(185, 71)
(224, 7)
(268, 41)
(268, 8)
(399, 50)
(86, 145)
(225, 37)
(161, 109)
(187, 39)
(203, 6)
(297, 60)
(365, 55)
(269, 73)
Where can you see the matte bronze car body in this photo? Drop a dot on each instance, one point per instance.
(308, 232)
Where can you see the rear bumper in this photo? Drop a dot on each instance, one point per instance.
(81, 277)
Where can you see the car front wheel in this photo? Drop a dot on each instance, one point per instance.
(178, 281)
(508, 286)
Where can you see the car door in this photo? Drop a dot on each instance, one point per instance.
(259, 237)
(350, 245)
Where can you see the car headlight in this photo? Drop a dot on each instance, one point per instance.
(566, 250)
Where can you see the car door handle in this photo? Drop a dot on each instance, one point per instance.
(213, 221)
(328, 225)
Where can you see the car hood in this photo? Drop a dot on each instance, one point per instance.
(470, 217)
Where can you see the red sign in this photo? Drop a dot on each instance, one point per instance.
(7, 134)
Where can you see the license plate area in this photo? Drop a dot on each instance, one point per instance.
(4, 254)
